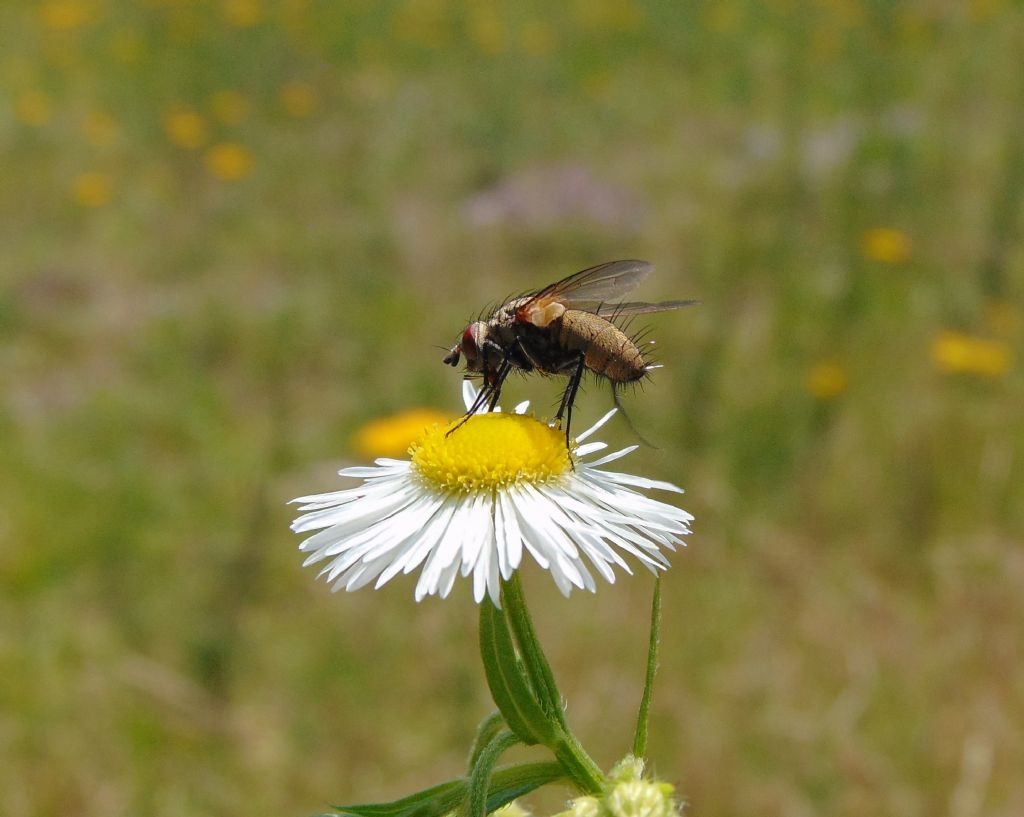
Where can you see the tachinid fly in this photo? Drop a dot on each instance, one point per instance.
(566, 328)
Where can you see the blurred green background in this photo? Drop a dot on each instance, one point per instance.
(236, 231)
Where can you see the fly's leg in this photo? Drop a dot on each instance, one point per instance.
(526, 354)
(479, 400)
(489, 394)
(503, 370)
(569, 397)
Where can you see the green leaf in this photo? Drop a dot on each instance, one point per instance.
(433, 802)
(644, 715)
(538, 677)
(515, 781)
(508, 683)
(538, 669)
(506, 785)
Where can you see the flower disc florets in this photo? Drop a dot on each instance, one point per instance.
(490, 452)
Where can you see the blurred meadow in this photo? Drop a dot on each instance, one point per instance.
(235, 232)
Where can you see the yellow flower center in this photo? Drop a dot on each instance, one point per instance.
(490, 451)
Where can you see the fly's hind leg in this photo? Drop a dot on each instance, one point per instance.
(569, 397)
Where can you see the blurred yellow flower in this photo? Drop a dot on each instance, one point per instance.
(608, 15)
(598, 84)
(100, 129)
(723, 18)
(886, 245)
(298, 99)
(229, 161)
(185, 128)
(391, 436)
(984, 9)
(294, 11)
(229, 106)
(827, 379)
(92, 189)
(957, 353)
(424, 22)
(826, 44)
(1003, 318)
(242, 13)
(127, 46)
(33, 108)
(61, 52)
(486, 30)
(537, 38)
(65, 15)
(185, 22)
(848, 13)
(915, 27)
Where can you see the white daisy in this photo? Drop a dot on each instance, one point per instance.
(474, 501)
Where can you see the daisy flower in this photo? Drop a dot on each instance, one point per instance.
(473, 502)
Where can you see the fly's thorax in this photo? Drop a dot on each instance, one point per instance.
(505, 315)
(607, 350)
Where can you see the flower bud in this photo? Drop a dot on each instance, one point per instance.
(628, 795)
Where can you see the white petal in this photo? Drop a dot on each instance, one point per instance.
(473, 534)
(447, 579)
(416, 544)
(612, 457)
(513, 535)
(581, 437)
(469, 392)
(589, 448)
(500, 537)
(431, 539)
(373, 471)
(643, 482)
(448, 549)
(485, 555)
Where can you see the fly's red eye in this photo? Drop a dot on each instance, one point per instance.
(469, 346)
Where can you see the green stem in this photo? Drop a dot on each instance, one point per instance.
(581, 768)
(486, 732)
(480, 776)
(643, 716)
(585, 773)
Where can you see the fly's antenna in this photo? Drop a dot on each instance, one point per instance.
(625, 416)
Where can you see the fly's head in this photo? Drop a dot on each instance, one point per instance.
(473, 344)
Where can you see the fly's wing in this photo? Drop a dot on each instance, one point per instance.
(583, 290)
(638, 308)
(601, 283)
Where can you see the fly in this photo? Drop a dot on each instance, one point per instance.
(567, 328)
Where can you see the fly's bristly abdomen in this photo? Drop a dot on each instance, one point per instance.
(607, 350)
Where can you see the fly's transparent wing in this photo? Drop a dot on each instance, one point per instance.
(637, 308)
(605, 282)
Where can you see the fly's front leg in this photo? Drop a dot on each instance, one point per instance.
(489, 393)
(478, 401)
